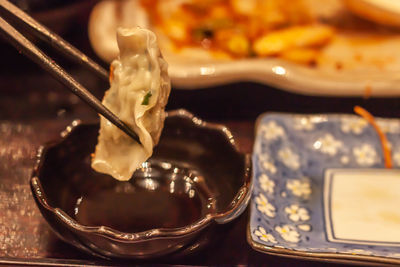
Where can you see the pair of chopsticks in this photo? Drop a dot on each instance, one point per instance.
(25, 46)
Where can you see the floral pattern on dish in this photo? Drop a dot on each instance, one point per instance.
(289, 158)
(365, 155)
(272, 131)
(389, 126)
(355, 125)
(304, 123)
(267, 184)
(297, 213)
(295, 166)
(288, 233)
(264, 206)
(304, 227)
(267, 163)
(299, 188)
(264, 236)
(328, 145)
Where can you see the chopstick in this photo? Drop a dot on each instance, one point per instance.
(51, 38)
(23, 45)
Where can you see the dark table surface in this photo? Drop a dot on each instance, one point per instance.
(34, 109)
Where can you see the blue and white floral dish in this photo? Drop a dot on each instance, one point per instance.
(321, 191)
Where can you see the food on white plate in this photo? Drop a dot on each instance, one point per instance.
(323, 37)
(227, 29)
(239, 28)
(139, 91)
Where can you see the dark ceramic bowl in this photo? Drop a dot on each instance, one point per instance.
(195, 179)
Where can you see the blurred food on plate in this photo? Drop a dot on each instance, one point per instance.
(237, 28)
(330, 35)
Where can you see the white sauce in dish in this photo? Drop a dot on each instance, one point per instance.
(138, 94)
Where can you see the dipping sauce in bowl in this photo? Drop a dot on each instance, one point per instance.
(196, 178)
(160, 195)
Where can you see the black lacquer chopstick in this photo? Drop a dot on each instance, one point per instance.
(25, 46)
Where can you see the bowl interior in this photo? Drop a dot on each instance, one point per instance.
(194, 171)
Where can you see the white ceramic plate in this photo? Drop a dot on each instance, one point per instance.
(366, 67)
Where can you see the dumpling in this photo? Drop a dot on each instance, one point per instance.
(139, 91)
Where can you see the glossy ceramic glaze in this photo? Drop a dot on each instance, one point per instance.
(321, 190)
(196, 177)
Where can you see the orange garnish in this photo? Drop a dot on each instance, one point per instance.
(111, 76)
(384, 142)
